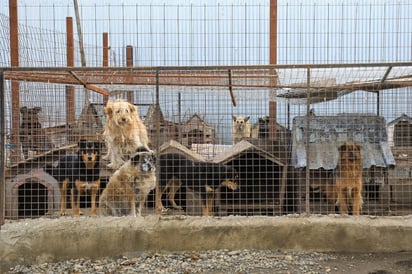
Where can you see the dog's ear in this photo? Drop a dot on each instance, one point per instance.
(97, 145)
(23, 109)
(247, 118)
(108, 109)
(132, 108)
(342, 147)
(82, 144)
(234, 118)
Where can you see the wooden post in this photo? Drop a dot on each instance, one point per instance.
(105, 59)
(129, 63)
(70, 96)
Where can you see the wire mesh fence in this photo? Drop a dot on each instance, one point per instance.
(255, 139)
(219, 147)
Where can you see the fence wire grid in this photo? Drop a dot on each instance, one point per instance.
(195, 71)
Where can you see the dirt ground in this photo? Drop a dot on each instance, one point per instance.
(377, 263)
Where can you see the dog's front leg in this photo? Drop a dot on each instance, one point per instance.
(174, 186)
(63, 190)
(342, 200)
(115, 158)
(158, 198)
(108, 154)
(357, 201)
(133, 206)
(94, 190)
(75, 198)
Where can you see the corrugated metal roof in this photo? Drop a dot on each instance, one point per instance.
(326, 133)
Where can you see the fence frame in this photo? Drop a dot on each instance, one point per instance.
(223, 76)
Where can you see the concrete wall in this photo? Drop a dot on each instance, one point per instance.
(51, 240)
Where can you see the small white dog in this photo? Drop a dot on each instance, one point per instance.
(132, 182)
(124, 132)
(241, 128)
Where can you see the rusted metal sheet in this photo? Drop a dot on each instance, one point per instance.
(317, 138)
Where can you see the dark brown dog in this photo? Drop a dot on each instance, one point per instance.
(348, 180)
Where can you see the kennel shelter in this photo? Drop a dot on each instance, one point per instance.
(272, 162)
(188, 80)
(315, 147)
(262, 180)
(32, 195)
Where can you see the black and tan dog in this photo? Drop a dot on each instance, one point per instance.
(348, 178)
(204, 178)
(130, 183)
(81, 173)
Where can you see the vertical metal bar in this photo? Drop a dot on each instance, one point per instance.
(378, 101)
(157, 123)
(105, 59)
(273, 26)
(179, 107)
(15, 86)
(129, 63)
(307, 136)
(2, 152)
(70, 97)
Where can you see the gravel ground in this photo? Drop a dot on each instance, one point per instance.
(226, 261)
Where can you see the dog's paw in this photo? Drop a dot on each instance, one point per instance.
(112, 165)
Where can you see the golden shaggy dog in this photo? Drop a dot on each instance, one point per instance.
(131, 183)
(348, 179)
(241, 128)
(124, 132)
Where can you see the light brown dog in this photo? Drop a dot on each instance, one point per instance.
(241, 128)
(348, 178)
(124, 132)
(132, 182)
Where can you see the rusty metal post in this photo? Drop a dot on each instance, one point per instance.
(70, 96)
(129, 63)
(273, 25)
(105, 59)
(2, 152)
(15, 86)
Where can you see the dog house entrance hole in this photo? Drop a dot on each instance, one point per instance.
(32, 199)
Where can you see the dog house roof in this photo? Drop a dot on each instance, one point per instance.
(175, 147)
(244, 147)
(326, 133)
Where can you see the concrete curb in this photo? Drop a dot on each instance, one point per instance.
(51, 240)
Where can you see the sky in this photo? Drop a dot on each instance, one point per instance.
(221, 32)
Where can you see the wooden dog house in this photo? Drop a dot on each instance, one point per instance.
(262, 181)
(197, 131)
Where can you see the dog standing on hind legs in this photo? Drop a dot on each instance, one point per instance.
(81, 173)
(123, 133)
(348, 179)
(130, 183)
